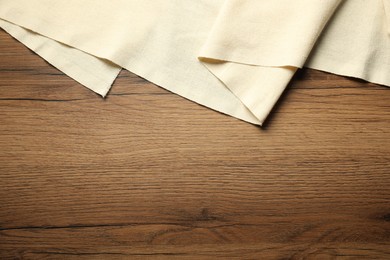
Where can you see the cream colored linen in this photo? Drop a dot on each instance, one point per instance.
(255, 47)
(156, 39)
(235, 56)
(356, 43)
(386, 6)
(96, 74)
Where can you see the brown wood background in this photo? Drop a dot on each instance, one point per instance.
(148, 174)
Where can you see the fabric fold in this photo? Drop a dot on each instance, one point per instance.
(96, 74)
(354, 46)
(258, 69)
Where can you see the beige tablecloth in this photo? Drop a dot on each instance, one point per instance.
(234, 56)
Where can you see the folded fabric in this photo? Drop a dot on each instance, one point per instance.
(96, 74)
(256, 47)
(234, 56)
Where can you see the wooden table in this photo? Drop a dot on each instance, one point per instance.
(148, 174)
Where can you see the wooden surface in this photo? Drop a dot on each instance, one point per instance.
(148, 174)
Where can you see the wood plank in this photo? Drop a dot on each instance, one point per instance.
(146, 173)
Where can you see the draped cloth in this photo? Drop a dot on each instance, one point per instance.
(234, 56)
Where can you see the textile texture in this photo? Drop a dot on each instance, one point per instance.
(234, 56)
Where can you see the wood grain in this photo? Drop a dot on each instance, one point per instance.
(148, 174)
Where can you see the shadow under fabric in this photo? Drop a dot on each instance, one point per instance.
(234, 56)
